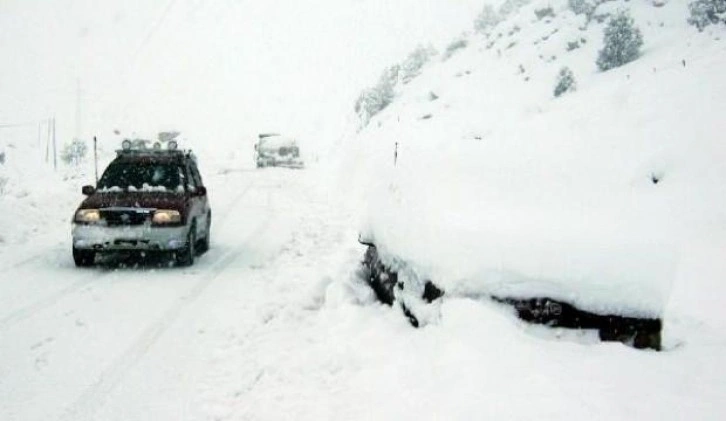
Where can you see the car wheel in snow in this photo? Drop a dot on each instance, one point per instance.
(185, 256)
(381, 280)
(205, 242)
(83, 258)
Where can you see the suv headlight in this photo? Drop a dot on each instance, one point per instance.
(87, 216)
(165, 217)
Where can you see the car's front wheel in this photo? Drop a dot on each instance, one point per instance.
(83, 258)
(185, 256)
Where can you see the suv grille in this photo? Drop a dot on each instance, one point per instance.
(115, 218)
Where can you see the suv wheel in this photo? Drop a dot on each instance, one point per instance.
(185, 256)
(204, 244)
(83, 258)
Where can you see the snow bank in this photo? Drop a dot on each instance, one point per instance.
(591, 197)
(34, 199)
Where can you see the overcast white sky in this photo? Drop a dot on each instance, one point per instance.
(212, 68)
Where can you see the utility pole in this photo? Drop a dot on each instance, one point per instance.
(95, 157)
(40, 132)
(55, 149)
(47, 142)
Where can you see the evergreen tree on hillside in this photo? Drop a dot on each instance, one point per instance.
(707, 12)
(565, 82)
(581, 7)
(622, 42)
(373, 100)
(487, 18)
(414, 63)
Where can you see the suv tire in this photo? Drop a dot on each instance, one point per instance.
(204, 243)
(83, 258)
(185, 256)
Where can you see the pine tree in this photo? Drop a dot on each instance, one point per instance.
(707, 12)
(565, 82)
(581, 7)
(622, 42)
(486, 19)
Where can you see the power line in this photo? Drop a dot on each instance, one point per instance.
(154, 28)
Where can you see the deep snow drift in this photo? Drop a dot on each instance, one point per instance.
(597, 197)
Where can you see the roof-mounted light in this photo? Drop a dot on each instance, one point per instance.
(126, 145)
(172, 145)
(157, 146)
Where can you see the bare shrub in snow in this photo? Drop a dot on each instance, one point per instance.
(455, 46)
(544, 13)
(487, 18)
(622, 42)
(707, 12)
(74, 152)
(565, 82)
(573, 45)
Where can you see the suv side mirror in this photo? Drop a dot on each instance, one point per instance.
(88, 190)
(201, 191)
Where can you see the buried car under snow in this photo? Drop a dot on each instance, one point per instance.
(404, 283)
(147, 200)
(562, 264)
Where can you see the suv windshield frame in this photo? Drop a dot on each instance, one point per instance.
(143, 176)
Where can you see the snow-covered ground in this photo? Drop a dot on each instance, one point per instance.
(497, 186)
(274, 323)
(602, 197)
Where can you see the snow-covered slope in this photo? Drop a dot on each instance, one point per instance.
(598, 197)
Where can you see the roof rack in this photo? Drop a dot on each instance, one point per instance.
(161, 152)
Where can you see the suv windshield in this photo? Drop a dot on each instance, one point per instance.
(143, 177)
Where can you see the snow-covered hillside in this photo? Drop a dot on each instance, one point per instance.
(603, 196)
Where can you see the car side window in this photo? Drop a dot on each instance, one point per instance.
(195, 175)
(182, 179)
(191, 181)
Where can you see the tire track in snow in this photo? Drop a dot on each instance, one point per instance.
(94, 396)
(29, 310)
(24, 261)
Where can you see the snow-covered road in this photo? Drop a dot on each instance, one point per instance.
(272, 323)
(145, 343)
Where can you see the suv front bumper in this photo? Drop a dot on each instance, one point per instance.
(141, 237)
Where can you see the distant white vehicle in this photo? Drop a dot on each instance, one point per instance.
(274, 150)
